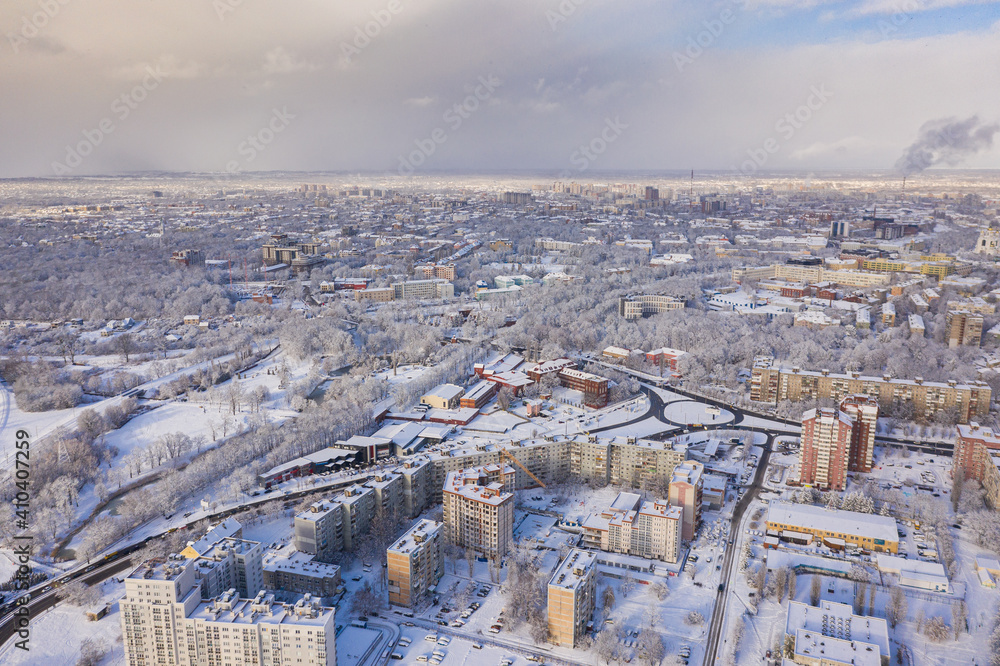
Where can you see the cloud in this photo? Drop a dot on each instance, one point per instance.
(419, 102)
(169, 66)
(827, 148)
(280, 61)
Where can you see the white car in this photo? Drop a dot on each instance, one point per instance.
(422, 657)
(431, 638)
(444, 640)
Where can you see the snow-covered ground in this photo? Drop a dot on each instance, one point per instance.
(58, 633)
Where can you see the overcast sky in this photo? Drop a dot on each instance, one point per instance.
(625, 77)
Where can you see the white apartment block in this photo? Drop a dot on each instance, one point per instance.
(632, 527)
(166, 623)
(478, 510)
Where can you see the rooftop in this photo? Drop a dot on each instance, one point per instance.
(833, 520)
(419, 533)
(574, 569)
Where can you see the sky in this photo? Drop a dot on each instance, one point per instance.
(410, 86)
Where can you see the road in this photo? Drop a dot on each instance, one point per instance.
(719, 610)
(43, 601)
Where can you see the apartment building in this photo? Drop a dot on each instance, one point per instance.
(643, 305)
(165, 622)
(964, 328)
(888, 314)
(572, 597)
(377, 294)
(358, 505)
(388, 489)
(423, 289)
(435, 271)
(803, 523)
(863, 412)
(826, 444)
(292, 571)
(686, 493)
(977, 457)
(319, 530)
(478, 510)
(770, 383)
(811, 275)
(643, 463)
(650, 529)
(230, 564)
(414, 563)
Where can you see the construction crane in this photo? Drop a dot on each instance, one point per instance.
(505, 454)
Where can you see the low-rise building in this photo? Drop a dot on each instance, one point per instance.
(835, 528)
(300, 573)
(832, 635)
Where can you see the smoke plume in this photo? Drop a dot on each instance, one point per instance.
(946, 141)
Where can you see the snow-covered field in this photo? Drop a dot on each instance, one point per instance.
(58, 633)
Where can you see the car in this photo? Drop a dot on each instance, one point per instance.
(439, 653)
(457, 623)
(442, 623)
(395, 655)
(431, 638)
(477, 646)
(356, 578)
(46, 588)
(404, 641)
(722, 586)
(718, 567)
(435, 661)
(422, 657)
(494, 629)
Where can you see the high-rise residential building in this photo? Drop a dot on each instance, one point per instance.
(863, 411)
(977, 457)
(319, 530)
(166, 623)
(572, 597)
(479, 510)
(685, 493)
(414, 563)
(770, 383)
(230, 564)
(650, 529)
(825, 450)
(964, 329)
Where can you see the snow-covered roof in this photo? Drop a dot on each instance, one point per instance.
(835, 521)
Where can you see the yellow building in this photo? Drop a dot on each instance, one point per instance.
(836, 529)
(414, 564)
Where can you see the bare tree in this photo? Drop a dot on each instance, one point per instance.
(815, 589)
(959, 613)
(649, 647)
(936, 630)
(895, 610)
(126, 346)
